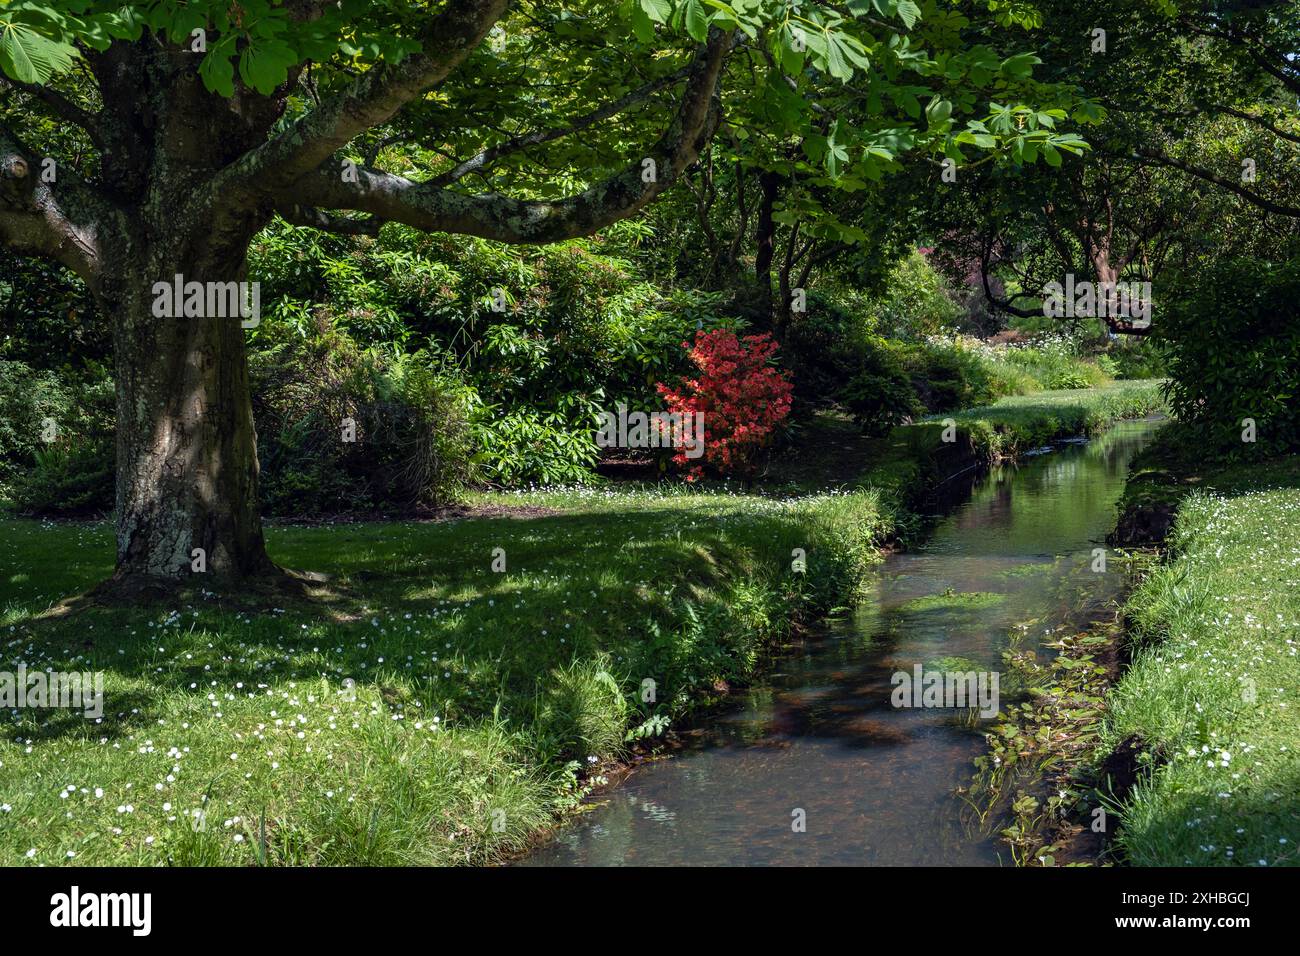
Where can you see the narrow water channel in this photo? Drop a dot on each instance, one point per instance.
(876, 783)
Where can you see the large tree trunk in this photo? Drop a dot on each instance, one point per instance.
(186, 507)
(186, 448)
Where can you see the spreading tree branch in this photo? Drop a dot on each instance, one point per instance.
(1274, 62)
(506, 219)
(487, 157)
(59, 222)
(1259, 121)
(62, 108)
(373, 99)
(1156, 156)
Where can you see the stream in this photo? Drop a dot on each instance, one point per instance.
(875, 783)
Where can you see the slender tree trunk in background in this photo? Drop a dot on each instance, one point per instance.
(769, 185)
(784, 305)
(1107, 277)
(742, 228)
(781, 316)
(1107, 274)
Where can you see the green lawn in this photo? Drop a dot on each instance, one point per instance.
(476, 695)
(1214, 689)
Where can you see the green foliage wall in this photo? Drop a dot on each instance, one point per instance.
(542, 340)
(56, 439)
(1234, 353)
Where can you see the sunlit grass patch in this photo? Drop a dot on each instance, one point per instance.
(1214, 689)
(1019, 423)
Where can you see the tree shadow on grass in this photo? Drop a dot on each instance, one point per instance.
(1179, 832)
(418, 612)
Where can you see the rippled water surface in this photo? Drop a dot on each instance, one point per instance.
(820, 735)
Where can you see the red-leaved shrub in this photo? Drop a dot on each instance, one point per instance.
(742, 397)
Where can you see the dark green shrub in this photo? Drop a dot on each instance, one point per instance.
(880, 394)
(26, 398)
(68, 479)
(549, 337)
(917, 301)
(825, 347)
(1233, 344)
(407, 416)
(47, 315)
(1138, 357)
(947, 377)
(527, 446)
(56, 440)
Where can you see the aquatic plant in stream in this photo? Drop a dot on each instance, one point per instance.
(1035, 779)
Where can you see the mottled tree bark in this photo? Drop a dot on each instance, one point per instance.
(186, 503)
(186, 448)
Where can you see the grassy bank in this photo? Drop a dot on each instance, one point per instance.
(1019, 423)
(1173, 466)
(476, 695)
(1212, 697)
